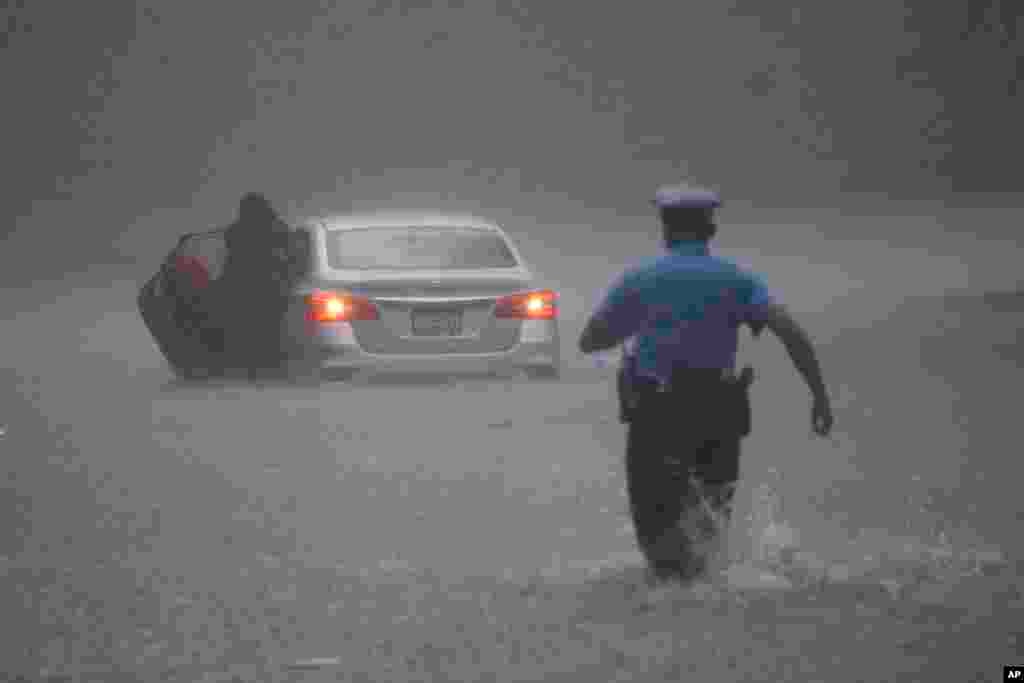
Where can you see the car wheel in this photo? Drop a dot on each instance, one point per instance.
(194, 374)
(299, 371)
(338, 374)
(543, 372)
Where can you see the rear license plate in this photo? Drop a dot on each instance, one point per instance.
(436, 323)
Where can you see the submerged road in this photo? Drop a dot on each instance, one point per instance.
(425, 528)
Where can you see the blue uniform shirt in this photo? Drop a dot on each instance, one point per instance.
(683, 309)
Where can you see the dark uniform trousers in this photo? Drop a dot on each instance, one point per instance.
(683, 445)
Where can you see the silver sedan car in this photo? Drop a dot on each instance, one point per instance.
(414, 292)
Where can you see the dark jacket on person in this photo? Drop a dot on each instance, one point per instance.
(255, 281)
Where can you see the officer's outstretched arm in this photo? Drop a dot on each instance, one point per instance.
(801, 351)
(799, 347)
(598, 336)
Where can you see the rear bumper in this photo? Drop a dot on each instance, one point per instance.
(335, 346)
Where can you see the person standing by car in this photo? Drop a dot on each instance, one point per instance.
(254, 284)
(686, 408)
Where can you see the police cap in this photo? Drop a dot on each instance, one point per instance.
(686, 197)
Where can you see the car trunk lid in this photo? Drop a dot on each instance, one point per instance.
(431, 312)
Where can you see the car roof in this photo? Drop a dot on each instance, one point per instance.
(403, 219)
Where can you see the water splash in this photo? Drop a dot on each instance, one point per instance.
(773, 540)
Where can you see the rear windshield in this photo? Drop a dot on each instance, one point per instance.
(414, 248)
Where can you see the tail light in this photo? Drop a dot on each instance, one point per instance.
(336, 307)
(528, 306)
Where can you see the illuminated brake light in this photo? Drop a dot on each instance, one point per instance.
(340, 307)
(528, 306)
(334, 307)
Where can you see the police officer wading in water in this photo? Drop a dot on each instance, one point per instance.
(686, 407)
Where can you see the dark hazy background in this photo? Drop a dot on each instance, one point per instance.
(124, 120)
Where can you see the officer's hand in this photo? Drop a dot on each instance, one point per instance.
(821, 417)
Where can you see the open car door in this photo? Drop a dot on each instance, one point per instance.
(177, 307)
(183, 304)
